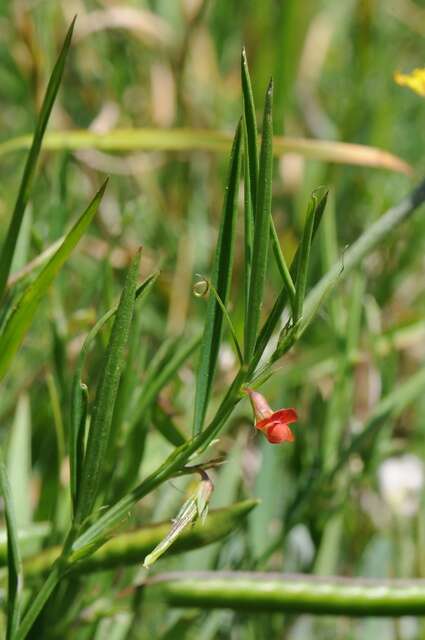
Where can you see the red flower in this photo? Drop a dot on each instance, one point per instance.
(274, 424)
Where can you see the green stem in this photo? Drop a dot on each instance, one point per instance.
(40, 599)
(172, 464)
(75, 549)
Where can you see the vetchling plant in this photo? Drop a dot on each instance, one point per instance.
(103, 491)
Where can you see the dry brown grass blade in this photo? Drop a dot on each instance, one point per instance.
(122, 140)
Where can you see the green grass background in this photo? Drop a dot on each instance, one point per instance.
(333, 64)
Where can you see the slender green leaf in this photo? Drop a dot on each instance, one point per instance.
(221, 280)
(250, 129)
(20, 319)
(19, 462)
(23, 243)
(76, 456)
(78, 409)
(40, 599)
(14, 564)
(167, 428)
(275, 315)
(166, 366)
(98, 437)
(162, 356)
(251, 180)
(248, 228)
(34, 264)
(57, 418)
(10, 241)
(229, 323)
(303, 259)
(250, 175)
(284, 271)
(261, 229)
(329, 255)
(365, 244)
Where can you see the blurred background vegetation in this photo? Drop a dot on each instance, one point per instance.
(163, 64)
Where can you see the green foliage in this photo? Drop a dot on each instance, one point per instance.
(24, 192)
(126, 403)
(14, 563)
(260, 243)
(101, 420)
(22, 314)
(221, 279)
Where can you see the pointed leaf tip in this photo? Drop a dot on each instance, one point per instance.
(103, 186)
(270, 88)
(320, 192)
(70, 31)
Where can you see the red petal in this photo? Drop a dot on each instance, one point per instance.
(262, 424)
(278, 433)
(285, 415)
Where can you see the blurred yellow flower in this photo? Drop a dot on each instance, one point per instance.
(414, 80)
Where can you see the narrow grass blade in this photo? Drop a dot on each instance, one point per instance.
(78, 409)
(229, 323)
(254, 591)
(39, 601)
(19, 462)
(365, 244)
(55, 405)
(221, 280)
(248, 227)
(167, 428)
(20, 320)
(9, 245)
(261, 229)
(164, 371)
(98, 437)
(212, 141)
(14, 564)
(34, 264)
(78, 437)
(251, 180)
(329, 255)
(162, 356)
(250, 136)
(303, 258)
(284, 271)
(250, 128)
(275, 315)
